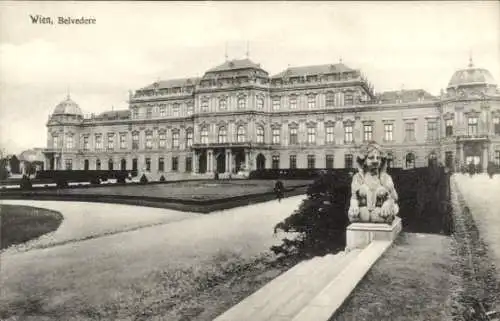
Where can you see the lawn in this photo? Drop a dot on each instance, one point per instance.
(416, 279)
(20, 224)
(197, 190)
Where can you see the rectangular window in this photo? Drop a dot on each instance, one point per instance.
(175, 140)
(497, 157)
(175, 109)
(204, 105)
(293, 161)
(311, 161)
(135, 140)
(276, 136)
(98, 142)
(204, 135)
(148, 164)
(348, 160)
(432, 132)
(55, 141)
(388, 132)
(149, 112)
(368, 132)
(162, 139)
(123, 141)
(189, 164)
(135, 113)
(111, 141)
(349, 100)
(260, 135)
(311, 101)
(68, 164)
(161, 164)
(330, 100)
(276, 103)
(311, 135)
(449, 127)
(189, 109)
(175, 164)
(149, 140)
(275, 162)
(163, 110)
(189, 138)
(86, 143)
(348, 138)
(293, 136)
(330, 137)
(98, 165)
(329, 161)
(260, 103)
(410, 131)
(293, 102)
(69, 141)
(472, 126)
(496, 125)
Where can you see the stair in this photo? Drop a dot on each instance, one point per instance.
(284, 297)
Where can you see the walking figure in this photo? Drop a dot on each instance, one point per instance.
(279, 190)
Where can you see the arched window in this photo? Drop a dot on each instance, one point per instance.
(222, 104)
(98, 164)
(189, 137)
(260, 103)
(204, 135)
(410, 160)
(222, 135)
(260, 134)
(110, 164)
(390, 160)
(240, 134)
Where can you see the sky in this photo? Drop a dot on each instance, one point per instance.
(397, 45)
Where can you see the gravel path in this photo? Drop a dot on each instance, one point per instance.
(482, 195)
(94, 274)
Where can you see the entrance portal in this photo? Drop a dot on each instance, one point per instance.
(202, 162)
(221, 162)
(261, 162)
(239, 161)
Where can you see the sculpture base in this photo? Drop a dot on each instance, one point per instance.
(359, 235)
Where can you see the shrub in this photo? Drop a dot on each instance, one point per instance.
(144, 179)
(320, 220)
(162, 178)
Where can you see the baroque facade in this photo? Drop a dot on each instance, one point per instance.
(237, 117)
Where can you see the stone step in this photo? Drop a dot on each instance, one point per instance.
(286, 295)
(331, 297)
(316, 282)
(244, 309)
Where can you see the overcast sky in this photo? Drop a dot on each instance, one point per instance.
(410, 44)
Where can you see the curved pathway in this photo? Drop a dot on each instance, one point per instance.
(104, 271)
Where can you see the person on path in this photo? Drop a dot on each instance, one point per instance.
(279, 190)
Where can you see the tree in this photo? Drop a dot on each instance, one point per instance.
(320, 222)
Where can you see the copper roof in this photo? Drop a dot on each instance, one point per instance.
(313, 70)
(172, 83)
(236, 64)
(407, 95)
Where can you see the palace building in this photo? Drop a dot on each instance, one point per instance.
(237, 117)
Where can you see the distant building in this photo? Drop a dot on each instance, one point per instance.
(238, 117)
(31, 158)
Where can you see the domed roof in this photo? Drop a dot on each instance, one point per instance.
(471, 76)
(67, 107)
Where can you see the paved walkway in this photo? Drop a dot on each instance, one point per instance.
(482, 195)
(104, 270)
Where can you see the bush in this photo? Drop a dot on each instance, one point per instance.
(320, 221)
(144, 179)
(162, 178)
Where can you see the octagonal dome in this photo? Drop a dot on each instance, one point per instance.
(67, 107)
(471, 76)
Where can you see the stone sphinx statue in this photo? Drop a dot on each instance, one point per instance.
(373, 196)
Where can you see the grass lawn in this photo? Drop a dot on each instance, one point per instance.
(415, 279)
(20, 224)
(187, 190)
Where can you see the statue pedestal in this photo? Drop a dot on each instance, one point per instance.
(359, 235)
